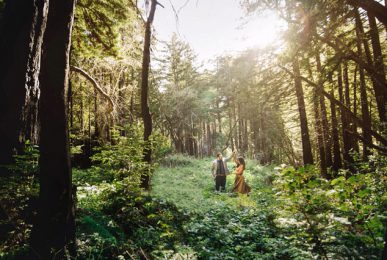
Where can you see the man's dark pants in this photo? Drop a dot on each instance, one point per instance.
(220, 182)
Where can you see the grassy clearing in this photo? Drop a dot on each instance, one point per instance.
(191, 186)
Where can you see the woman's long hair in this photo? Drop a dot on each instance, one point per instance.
(242, 162)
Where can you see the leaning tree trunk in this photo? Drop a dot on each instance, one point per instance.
(20, 44)
(380, 68)
(146, 116)
(306, 146)
(378, 80)
(54, 232)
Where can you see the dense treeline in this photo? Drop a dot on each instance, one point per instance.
(76, 82)
(332, 58)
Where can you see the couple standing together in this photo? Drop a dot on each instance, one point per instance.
(220, 172)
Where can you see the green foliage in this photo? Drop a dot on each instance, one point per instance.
(114, 219)
(302, 217)
(177, 160)
(98, 25)
(338, 218)
(28, 161)
(151, 223)
(229, 233)
(160, 145)
(18, 199)
(121, 159)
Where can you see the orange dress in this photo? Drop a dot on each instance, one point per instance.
(240, 184)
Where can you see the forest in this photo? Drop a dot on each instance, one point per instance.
(108, 134)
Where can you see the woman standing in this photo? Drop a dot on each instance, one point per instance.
(240, 184)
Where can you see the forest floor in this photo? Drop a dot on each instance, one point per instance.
(191, 187)
(182, 217)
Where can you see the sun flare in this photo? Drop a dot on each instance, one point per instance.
(260, 31)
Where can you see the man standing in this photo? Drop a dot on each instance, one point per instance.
(220, 171)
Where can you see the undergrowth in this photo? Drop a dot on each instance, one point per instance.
(290, 213)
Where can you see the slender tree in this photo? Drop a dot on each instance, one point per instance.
(146, 116)
(380, 68)
(363, 91)
(306, 146)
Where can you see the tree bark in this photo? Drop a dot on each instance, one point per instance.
(30, 110)
(379, 66)
(372, 6)
(146, 116)
(20, 43)
(357, 120)
(337, 163)
(54, 232)
(324, 120)
(363, 92)
(345, 131)
(378, 81)
(319, 134)
(306, 146)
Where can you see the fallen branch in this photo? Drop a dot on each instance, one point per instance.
(95, 84)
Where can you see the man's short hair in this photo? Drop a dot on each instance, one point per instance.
(218, 154)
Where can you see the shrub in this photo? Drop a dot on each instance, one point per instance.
(333, 219)
(27, 162)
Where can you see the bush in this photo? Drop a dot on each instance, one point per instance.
(177, 160)
(334, 219)
(27, 162)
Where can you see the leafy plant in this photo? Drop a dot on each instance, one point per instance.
(28, 161)
(333, 219)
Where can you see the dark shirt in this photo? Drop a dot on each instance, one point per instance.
(220, 168)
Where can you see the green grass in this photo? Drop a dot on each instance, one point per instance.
(191, 186)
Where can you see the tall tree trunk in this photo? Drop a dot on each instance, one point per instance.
(20, 43)
(319, 134)
(97, 132)
(81, 119)
(355, 104)
(363, 92)
(146, 116)
(337, 163)
(345, 128)
(235, 133)
(30, 111)
(352, 125)
(240, 129)
(324, 120)
(54, 232)
(214, 135)
(372, 6)
(246, 135)
(378, 81)
(230, 125)
(209, 139)
(381, 75)
(306, 146)
(70, 100)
